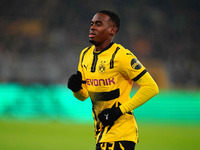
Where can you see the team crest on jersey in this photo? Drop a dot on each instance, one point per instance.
(135, 64)
(102, 67)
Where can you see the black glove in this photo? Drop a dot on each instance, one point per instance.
(109, 116)
(75, 82)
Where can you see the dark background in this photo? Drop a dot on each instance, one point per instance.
(40, 41)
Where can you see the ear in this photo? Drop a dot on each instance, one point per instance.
(113, 30)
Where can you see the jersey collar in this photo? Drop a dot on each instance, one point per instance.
(106, 48)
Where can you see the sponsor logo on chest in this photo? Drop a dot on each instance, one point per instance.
(100, 82)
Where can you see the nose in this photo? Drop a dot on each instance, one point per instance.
(92, 27)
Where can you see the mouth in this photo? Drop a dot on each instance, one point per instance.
(91, 35)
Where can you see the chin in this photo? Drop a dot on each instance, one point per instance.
(93, 42)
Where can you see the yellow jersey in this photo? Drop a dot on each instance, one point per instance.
(108, 76)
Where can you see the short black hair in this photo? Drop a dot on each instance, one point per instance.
(113, 16)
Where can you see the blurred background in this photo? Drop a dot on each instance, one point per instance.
(40, 43)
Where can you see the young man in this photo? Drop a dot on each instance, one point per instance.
(106, 72)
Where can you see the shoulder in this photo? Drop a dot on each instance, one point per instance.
(86, 49)
(124, 53)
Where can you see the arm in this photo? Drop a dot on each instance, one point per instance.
(76, 81)
(134, 70)
(82, 94)
(148, 89)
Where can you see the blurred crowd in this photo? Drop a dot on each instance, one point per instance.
(40, 41)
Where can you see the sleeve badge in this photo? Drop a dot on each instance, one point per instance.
(135, 64)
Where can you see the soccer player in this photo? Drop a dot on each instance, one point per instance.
(106, 72)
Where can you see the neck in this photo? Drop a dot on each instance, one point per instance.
(105, 48)
(100, 47)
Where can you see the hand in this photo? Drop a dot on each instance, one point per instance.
(75, 82)
(109, 116)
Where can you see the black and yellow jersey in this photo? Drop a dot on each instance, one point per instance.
(108, 77)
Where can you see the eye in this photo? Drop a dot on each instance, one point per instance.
(91, 24)
(99, 23)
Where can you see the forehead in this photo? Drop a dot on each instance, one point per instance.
(101, 17)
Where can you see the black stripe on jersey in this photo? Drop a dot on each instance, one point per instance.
(84, 54)
(100, 136)
(96, 125)
(94, 63)
(95, 57)
(140, 75)
(113, 57)
(104, 96)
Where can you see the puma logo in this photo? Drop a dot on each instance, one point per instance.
(85, 66)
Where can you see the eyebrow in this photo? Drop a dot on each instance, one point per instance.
(98, 21)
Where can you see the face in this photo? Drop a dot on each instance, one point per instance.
(102, 29)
